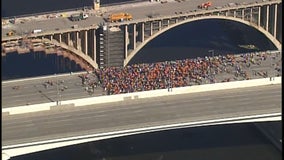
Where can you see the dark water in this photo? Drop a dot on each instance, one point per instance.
(234, 142)
(198, 37)
(12, 8)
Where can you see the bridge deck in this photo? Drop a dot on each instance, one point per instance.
(139, 11)
(34, 92)
(100, 118)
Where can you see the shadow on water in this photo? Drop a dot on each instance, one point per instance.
(235, 141)
(197, 38)
(35, 64)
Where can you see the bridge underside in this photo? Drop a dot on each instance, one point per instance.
(21, 149)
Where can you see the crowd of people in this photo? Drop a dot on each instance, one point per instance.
(171, 74)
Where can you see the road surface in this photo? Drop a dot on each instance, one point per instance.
(99, 118)
(139, 10)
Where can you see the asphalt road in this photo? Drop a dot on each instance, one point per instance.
(34, 91)
(32, 127)
(139, 11)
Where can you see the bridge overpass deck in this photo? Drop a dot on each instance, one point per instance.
(33, 91)
(101, 118)
(139, 11)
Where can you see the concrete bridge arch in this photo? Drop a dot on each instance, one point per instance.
(259, 28)
(79, 57)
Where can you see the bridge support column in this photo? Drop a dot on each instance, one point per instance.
(151, 28)
(125, 40)
(86, 42)
(68, 39)
(160, 25)
(243, 14)
(142, 31)
(250, 15)
(168, 24)
(94, 46)
(176, 20)
(134, 36)
(275, 20)
(77, 40)
(259, 16)
(267, 18)
(60, 38)
(234, 14)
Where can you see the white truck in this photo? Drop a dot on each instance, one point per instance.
(35, 31)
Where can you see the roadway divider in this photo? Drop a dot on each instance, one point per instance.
(138, 95)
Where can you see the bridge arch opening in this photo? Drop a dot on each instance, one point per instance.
(37, 63)
(193, 38)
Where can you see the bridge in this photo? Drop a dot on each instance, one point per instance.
(28, 133)
(96, 43)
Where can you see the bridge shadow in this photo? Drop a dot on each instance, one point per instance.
(234, 141)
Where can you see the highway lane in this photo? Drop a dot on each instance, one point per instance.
(138, 113)
(34, 92)
(140, 10)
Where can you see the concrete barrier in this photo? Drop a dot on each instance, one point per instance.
(62, 106)
(145, 94)
(28, 108)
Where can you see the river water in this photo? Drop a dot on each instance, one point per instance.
(234, 142)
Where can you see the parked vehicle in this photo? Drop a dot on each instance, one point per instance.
(120, 17)
(78, 16)
(205, 5)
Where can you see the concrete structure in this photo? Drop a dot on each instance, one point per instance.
(115, 44)
(68, 126)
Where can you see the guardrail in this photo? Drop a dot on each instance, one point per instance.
(139, 95)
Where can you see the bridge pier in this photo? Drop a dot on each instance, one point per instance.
(68, 39)
(142, 31)
(243, 14)
(134, 37)
(86, 42)
(94, 46)
(151, 28)
(259, 16)
(60, 38)
(275, 21)
(125, 40)
(267, 18)
(251, 15)
(77, 40)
